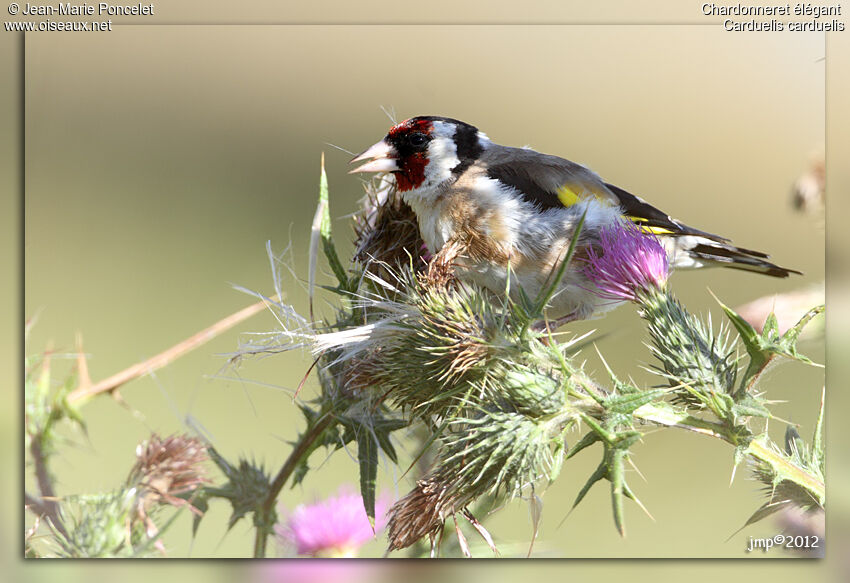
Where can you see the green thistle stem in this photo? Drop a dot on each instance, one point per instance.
(302, 447)
(758, 448)
(47, 503)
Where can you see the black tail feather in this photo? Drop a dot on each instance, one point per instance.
(739, 258)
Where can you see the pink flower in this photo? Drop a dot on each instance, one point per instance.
(335, 527)
(630, 261)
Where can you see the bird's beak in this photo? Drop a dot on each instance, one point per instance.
(382, 156)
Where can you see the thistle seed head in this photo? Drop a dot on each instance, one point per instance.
(167, 468)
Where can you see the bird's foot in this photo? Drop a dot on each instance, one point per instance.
(552, 325)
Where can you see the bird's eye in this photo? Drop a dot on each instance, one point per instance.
(417, 139)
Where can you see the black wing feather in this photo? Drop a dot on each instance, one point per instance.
(529, 189)
(652, 217)
(538, 178)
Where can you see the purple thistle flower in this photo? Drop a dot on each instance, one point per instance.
(335, 527)
(630, 261)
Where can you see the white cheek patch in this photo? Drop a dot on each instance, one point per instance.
(442, 154)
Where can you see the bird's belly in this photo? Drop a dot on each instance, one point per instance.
(574, 295)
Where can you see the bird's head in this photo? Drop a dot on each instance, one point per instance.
(424, 152)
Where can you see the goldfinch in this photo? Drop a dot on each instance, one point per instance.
(497, 210)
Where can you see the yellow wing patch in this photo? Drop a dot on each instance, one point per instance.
(647, 228)
(570, 196)
(567, 196)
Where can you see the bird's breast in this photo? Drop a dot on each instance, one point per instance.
(480, 229)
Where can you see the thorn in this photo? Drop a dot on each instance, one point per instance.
(82, 364)
(536, 509)
(461, 540)
(604, 362)
(306, 376)
(564, 519)
(481, 531)
(635, 468)
(636, 500)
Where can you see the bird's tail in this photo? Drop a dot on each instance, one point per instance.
(695, 251)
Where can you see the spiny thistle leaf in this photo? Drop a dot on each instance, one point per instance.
(382, 427)
(763, 347)
(586, 441)
(765, 510)
(612, 468)
(358, 418)
(200, 502)
(628, 403)
(792, 335)
(818, 448)
(325, 229)
(367, 457)
(616, 473)
(610, 433)
(603, 433)
(801, 487)
(616, 440)
(600, 473)
(247, 488)
(45, 404)
(321, 230)
(750, 406)
(791, 478)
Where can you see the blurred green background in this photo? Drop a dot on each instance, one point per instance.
(161, 159)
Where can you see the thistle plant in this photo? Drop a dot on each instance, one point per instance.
(702, 368)
(409, 347)
(491, 395)
(126, 522)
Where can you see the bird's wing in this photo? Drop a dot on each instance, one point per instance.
(553, 182)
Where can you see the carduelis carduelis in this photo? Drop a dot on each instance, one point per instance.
(498, 210)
